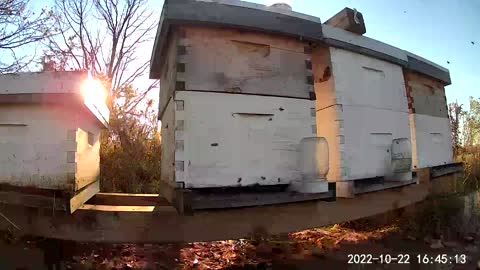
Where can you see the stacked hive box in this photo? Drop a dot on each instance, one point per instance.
(234, 107)
(361, 109)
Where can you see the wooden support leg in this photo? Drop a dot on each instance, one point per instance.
(345, 189)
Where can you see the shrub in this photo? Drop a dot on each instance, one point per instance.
(130, 154)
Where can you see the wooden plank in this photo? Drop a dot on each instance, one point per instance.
(128, 199)
(177, 197)
(141, 227)
(119, 208)
(84, 195)
(423, 175)
(353, 188)
(349, 20)
(345, 189)
(168, 74)
(445, 184)
(442, 170)
(219, 201)
(167, 153)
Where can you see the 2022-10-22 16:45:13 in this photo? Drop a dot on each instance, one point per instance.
(407, 259)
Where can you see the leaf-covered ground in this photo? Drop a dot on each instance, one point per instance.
(322, 248)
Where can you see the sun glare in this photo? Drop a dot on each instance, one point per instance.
(93, 91)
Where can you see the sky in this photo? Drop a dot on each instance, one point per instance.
(438, 30)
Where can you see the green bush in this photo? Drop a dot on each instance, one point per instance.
(130, 154)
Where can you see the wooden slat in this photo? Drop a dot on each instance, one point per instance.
(441, 170)
(114, 208)
(128, 199)
(136, 226)
(345, 19)
(84, 195)
(219, 201)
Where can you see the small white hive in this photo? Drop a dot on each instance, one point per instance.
(50, 125)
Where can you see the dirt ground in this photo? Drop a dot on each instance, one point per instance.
(322, 248)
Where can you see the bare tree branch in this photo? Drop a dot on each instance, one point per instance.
(20, 27)
(110, 31)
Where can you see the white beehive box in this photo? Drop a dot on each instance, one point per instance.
(361, 109)
(224, 140)
(50, 125)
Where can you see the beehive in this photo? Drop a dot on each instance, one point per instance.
(224, 77)
(50, 125)
(233, 100)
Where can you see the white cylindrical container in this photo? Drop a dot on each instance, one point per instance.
(401, 161)
(313, 158)
(313, 165)
(401, 155)
(282, 5)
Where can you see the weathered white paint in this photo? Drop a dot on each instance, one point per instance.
(368, 140)
(50, 145)
(239, 140)
(431, 141)
(169, 73)
(47, 146)
(368, 82)
(361, 108)
(363, 41)
(169, 144)
(429, 122)
(225, 60)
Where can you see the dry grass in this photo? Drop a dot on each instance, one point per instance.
(471, 160)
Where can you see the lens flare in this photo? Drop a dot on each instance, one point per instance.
(93, 91)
